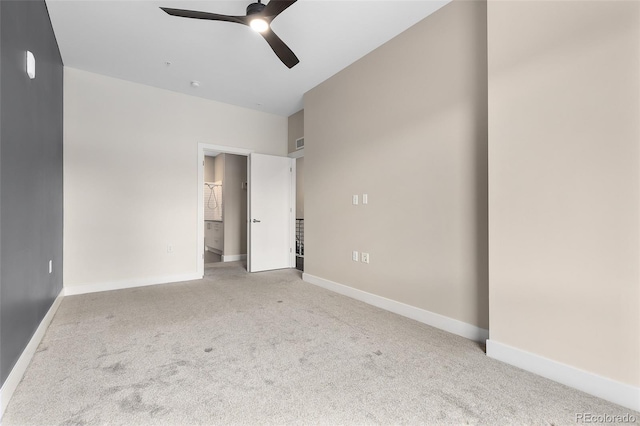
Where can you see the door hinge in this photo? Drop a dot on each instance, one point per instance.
(291, 169)
(290, 250)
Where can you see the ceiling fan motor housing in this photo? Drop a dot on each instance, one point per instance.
(255, 8)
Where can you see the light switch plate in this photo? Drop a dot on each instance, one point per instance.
(354, 256)
(355, 200)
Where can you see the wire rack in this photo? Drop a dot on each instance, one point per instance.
(300, 244)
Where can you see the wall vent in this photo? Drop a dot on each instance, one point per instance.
(300, 143)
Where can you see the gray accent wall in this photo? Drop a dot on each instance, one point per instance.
(31, 197)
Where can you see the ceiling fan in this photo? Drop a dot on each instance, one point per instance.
(259, 17)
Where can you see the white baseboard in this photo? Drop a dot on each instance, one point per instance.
(213, 250)
(619, 393)
(233, 257)
(442, 322)
(119, 285)
(18, 370)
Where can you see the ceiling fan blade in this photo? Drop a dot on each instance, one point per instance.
(280, 48)
(276, 7)
(205, 15)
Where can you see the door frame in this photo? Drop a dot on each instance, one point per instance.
(205, 149)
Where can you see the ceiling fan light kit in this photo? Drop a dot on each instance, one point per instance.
(259, 25)
(258, 17)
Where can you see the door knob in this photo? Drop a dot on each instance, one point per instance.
(256, 221)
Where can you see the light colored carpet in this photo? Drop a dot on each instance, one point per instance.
(267, 348)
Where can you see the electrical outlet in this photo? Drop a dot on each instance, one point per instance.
(354, 256)
(365, 199)
(365, 258)
(169, 248)
(354, 200)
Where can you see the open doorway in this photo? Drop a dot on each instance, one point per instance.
(270, 197)
(297, 153)
(222, 205)
(225, 208)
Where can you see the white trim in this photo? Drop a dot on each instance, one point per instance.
(602, 387)
(119, 285)
(18, 370)
(442, 322)
(203, 150)
(223, 149)
(233, 257)
(297, 154)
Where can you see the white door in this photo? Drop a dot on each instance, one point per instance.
(271, 224)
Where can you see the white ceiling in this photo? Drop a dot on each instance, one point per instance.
(133, 40)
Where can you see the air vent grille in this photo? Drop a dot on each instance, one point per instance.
(300, 143)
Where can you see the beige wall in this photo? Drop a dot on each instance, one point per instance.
(218, 170)
(564, 164)
(130, 174)
(209, 169)
(406, 124)
(300, 188)
(235, 204)
(296, 129)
